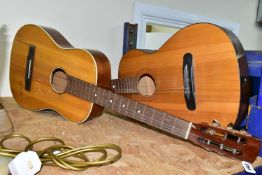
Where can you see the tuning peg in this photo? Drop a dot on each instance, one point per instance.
(244, 132)
(230, 126)
(216, 123)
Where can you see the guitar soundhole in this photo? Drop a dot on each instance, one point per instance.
(59, 80)
(146, 85)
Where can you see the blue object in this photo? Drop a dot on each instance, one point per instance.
(254, 59)
(257, 169)
(254, 123)
(254, 120)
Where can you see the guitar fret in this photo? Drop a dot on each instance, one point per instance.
(96, 95)
(174, 126)
(100, 96)
(124, 86)
(132, 109)
(86, 89)
(113, 83)
(119, 86)
(115, 102)
(162, 120)
(124, 106)
(140, 111)
(135, 83)
(68, 87)
(120, 104)
(147, 115)
(104, 98)
(168, 124)
(180, 127)
(152, 116)
(131, 85)
(112, 101)
(81, 89)
(107, 98)
(77, 90)
(156, 122)
(109, 101)
(128, 85)
(74, 85)
(89, 95)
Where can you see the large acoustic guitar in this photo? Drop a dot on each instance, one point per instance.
(199, 74)
(48, 73)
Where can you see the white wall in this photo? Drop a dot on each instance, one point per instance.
(98, 24)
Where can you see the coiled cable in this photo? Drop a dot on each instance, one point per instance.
(64, 156)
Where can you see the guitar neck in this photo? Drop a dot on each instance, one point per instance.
(127, 107)
(127, 85)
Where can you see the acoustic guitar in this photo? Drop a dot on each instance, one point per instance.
(48, 73)
(199, 74)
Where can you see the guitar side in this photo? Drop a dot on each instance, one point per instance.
(52, 51)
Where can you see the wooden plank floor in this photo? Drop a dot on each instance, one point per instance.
(145, 151)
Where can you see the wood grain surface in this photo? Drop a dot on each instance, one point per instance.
(145, 151)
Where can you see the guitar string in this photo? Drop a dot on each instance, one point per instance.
(154, 120)
(129, 110)
(124, 82)
(156, 91)
(168, 126)
(134, 113)
(121, 82)
(192, 136)
(137, 79)
(125, 90)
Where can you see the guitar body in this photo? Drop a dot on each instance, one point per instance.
(39, 51)
(46, 72)
(216, 78)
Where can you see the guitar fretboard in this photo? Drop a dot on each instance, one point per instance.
(127, 85)
(127, 107)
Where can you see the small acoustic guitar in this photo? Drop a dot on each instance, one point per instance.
(48, 73)
(199, 74)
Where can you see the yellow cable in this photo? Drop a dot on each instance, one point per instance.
(64, 156)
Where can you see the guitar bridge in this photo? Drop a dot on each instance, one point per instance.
(29, 67)
(189, 84)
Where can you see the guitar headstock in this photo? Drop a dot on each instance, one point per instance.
(226, 142)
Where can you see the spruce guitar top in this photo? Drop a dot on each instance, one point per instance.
(46, 72)
(199, 74)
